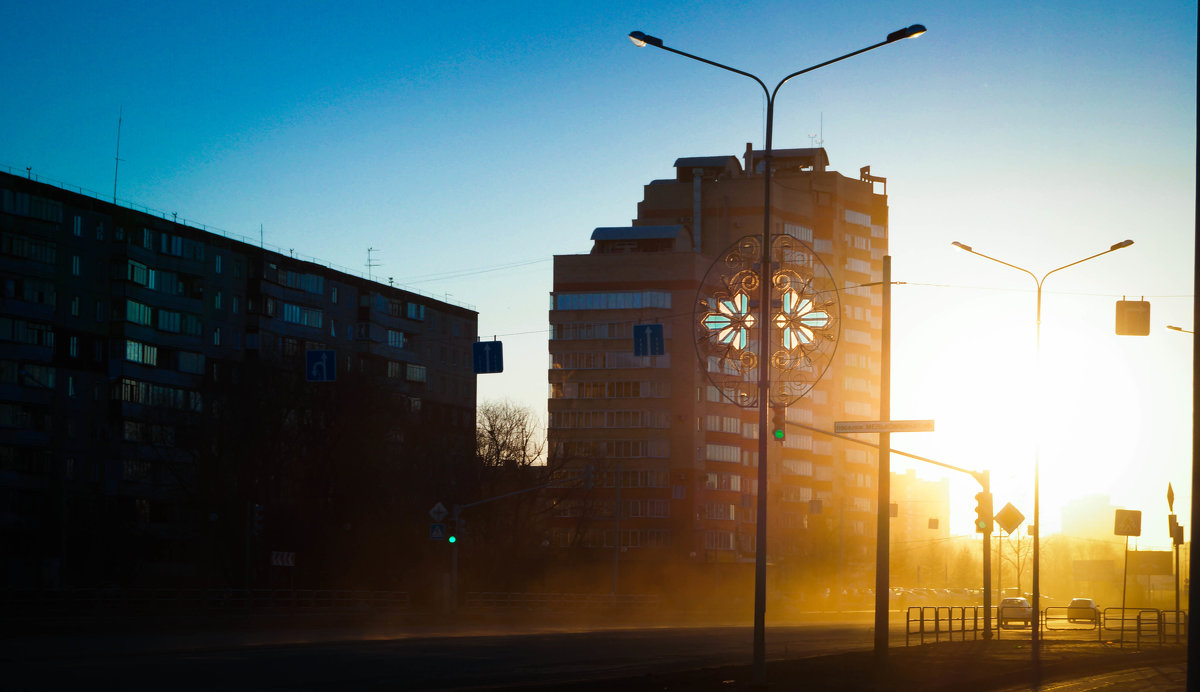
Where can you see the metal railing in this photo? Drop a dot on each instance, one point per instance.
(942, 620)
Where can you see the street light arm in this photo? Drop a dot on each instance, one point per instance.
(1114, 248)
(971, 250)
(640, 39)
(898, 35)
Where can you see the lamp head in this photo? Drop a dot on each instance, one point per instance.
(908, 32)
(1123, 243)
(640, 40)
(962, 246)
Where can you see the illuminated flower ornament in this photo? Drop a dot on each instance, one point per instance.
(804, 321)
(798, 319)
(731, 321)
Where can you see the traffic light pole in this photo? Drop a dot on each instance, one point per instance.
(984, 479)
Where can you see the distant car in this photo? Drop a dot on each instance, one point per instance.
(1083, 610)
(1014, 610)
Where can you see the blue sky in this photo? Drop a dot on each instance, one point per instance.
(469, 142)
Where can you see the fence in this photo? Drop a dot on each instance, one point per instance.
(1148, 625)
(942, 620)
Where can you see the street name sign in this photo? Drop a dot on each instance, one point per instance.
(882, 426)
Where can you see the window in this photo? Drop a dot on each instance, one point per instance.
(217, 301)
(416, 311)
(217, 263)
(138, 352)
(77, 231)
(297, 314)
(171, 244)
(137, 313)
(73, 346)
(189, 362)
(620, 300)
(217, 336)
(415, 373)
(169, 321)
(395, 338)
(75, 306)
(74, 265)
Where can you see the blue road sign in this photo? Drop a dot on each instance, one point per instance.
(488, 356)
(648, 340)
(320, 366)
(437, 532)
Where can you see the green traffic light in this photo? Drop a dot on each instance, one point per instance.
(452, 539)
(778, 434)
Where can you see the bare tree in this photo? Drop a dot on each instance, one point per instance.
(507, 434)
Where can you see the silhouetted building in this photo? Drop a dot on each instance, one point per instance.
(673, 463)
(158, 381)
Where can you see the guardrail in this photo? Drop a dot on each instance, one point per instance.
(181, 601)
(1149, 625)
(557, 601)
(1059, 618)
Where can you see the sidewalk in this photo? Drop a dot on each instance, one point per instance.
(997, 666)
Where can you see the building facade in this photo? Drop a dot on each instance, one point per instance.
(661, 467)
(161, 388)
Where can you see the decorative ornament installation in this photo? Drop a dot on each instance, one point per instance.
(803, 316)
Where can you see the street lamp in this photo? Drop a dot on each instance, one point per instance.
(760, 562)
(1037, 524)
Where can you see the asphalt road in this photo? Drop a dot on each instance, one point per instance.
(408, 663)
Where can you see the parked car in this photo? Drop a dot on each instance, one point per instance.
(1083, 610)
(1015, 610)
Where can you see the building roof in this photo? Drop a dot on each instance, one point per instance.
(637, 233)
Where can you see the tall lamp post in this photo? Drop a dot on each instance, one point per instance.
(760, 562)
(1037, 524)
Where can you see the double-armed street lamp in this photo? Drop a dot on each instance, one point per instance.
(1037, 524)
(764, 323)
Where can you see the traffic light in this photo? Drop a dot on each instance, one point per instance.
(779, 424)
(983, 513)
(452, 531)
(256, 519)
(1176, 530)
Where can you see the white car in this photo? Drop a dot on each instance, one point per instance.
(1083, 610)
(1014, 610)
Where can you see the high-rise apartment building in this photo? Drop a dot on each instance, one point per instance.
(665, 466)
(163, 387)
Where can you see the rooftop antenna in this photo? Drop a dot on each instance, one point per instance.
(117, 158)
(261, 242)
(818, 140)
(371, 263)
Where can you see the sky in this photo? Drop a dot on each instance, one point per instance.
(459, 146)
